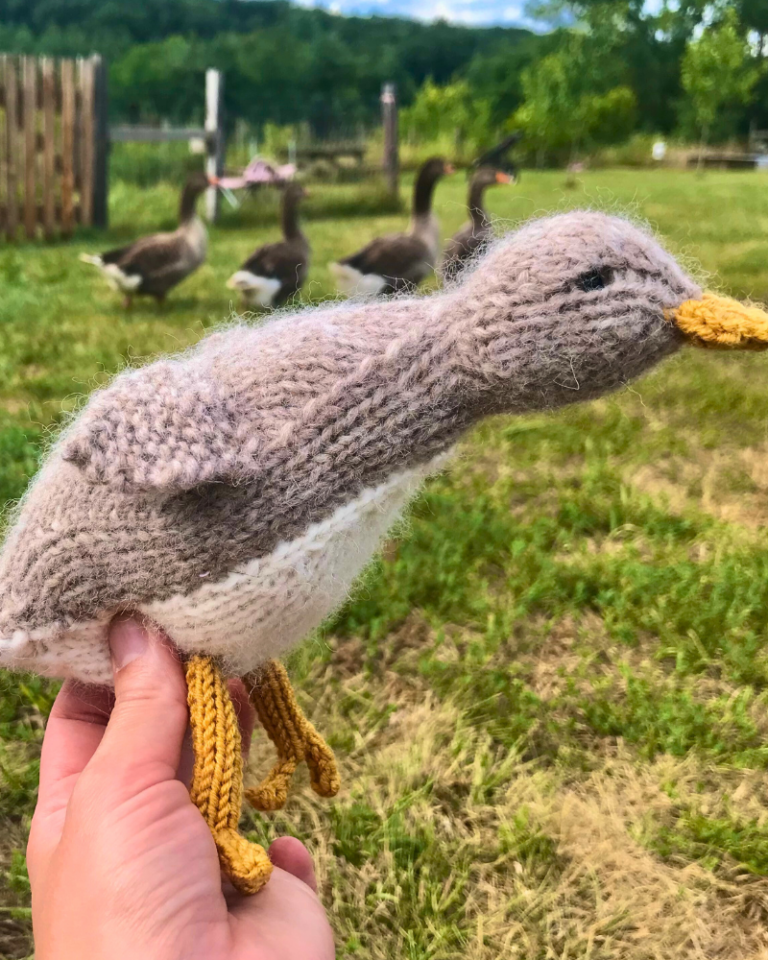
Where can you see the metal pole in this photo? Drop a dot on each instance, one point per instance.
(214, 129)
(391, 141)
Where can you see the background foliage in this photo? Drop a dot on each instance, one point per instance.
(599, 71)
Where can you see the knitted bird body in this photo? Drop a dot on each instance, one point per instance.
(234, 493)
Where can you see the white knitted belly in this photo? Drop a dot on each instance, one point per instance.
(259, 611)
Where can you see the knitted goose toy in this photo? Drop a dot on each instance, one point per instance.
(233, 494)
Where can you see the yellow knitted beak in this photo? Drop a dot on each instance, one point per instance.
(722, 323)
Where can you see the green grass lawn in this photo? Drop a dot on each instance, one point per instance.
(549, 696)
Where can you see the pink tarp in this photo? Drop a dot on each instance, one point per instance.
(257, 172)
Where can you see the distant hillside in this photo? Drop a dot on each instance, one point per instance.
(283, 63)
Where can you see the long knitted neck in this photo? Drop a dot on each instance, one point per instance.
(430, 369)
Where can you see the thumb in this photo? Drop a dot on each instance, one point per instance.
(291, 855)
(144, 736)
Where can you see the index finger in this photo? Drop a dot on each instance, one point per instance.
(73, 732)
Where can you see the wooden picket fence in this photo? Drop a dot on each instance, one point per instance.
(53, 145)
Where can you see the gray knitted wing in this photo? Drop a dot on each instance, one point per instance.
(225, 411)
(169, 425)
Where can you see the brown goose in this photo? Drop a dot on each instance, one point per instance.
(276, 271)
(154, 265)
(401, 260)
(478, 232)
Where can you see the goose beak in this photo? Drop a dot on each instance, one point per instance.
(722, 323)
(502, 177)
(449, 169)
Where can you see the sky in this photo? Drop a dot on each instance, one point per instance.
(508, 12)
(478, 12)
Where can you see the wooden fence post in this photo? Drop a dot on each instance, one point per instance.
(51, 171)
(49, 147)
(29, 79)
(100, 144)
(214, 129)
(391, 141)
(85, 136)
(67, 146)
(11, 147)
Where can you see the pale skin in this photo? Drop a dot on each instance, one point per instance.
(122, 865)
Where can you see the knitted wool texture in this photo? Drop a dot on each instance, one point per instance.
(720, 322)
(233, 494)
(217, 780)
(295, 738)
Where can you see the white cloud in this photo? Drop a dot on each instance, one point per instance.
(457, 11)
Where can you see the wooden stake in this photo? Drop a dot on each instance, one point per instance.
(49, 148)
(391, 138)
(67, 146)
(29, 76)
(214, 129)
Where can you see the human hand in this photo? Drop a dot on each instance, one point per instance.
(121, 863)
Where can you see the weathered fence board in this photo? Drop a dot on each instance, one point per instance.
(50, 157)
(49, 147)
(100, 145)
(11, 100)
(29, 116)
(85, 70)
(391, 137)
(67, 145)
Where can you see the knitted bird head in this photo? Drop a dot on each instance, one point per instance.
(233, 494)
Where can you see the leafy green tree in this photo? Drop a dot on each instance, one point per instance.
(717, 71)
(284, 63)
(451, 116)
(754, 15)
(495, 76)
(159, 81)
(572, 103)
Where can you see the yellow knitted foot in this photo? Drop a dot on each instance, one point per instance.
(293, 735)
(217, 779)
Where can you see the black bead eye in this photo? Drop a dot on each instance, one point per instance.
(595, 280)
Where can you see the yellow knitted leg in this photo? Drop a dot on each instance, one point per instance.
(217, 780)
(293, 735)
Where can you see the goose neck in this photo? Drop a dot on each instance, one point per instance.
(188, 205)
(476, 205)
(423, 194)
(290, 218)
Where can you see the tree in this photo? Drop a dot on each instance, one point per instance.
(717, 70)
(451, 115)
(572, 101)
(647, 41)
(754, 15)
(284, 62)
(495, 77)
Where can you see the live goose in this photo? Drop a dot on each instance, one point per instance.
(464, 244)
(155, 264)
(277, 271)
(403, 260)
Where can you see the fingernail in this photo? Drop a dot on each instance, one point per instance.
(128, 640)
